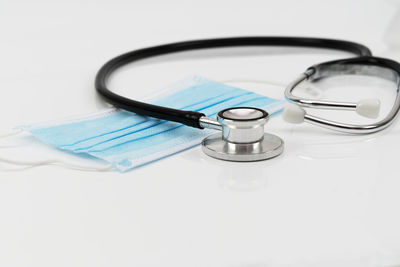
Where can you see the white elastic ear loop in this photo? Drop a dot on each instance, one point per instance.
(9, 134)
(32, 164)
(14, 132)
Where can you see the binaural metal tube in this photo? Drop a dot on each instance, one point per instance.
(380, 67)
(311, 103)
(357, 129)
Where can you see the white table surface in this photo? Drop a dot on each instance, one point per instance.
(329, 200)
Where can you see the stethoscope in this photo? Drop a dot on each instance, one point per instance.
(242, 136)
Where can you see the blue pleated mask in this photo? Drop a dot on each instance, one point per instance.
(127, 140)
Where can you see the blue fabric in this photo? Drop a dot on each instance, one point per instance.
(128, 140)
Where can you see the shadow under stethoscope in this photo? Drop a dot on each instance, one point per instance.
(254, 176)
(341, 146)
(238, 178)
(341, 150)
(243, 176)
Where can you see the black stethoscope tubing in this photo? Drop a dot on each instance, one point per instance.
(191, 118)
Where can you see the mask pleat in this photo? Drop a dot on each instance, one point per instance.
(128, 140)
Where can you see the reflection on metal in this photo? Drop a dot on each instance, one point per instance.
(242, 137)
(329, 70)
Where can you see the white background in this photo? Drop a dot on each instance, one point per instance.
(329, 200)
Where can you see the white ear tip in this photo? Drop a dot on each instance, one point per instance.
(293, 113)
(369, 108)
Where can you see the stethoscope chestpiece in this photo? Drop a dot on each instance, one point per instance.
(242, 137)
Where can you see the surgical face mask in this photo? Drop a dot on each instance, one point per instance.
(127, 140)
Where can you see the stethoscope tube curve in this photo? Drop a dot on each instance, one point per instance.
(192, 118)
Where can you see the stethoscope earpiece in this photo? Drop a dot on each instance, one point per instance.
(369, 108)
(293, 113)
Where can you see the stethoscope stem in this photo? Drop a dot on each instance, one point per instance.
(210, 123)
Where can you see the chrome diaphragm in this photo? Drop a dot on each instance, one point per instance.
(242, 136)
